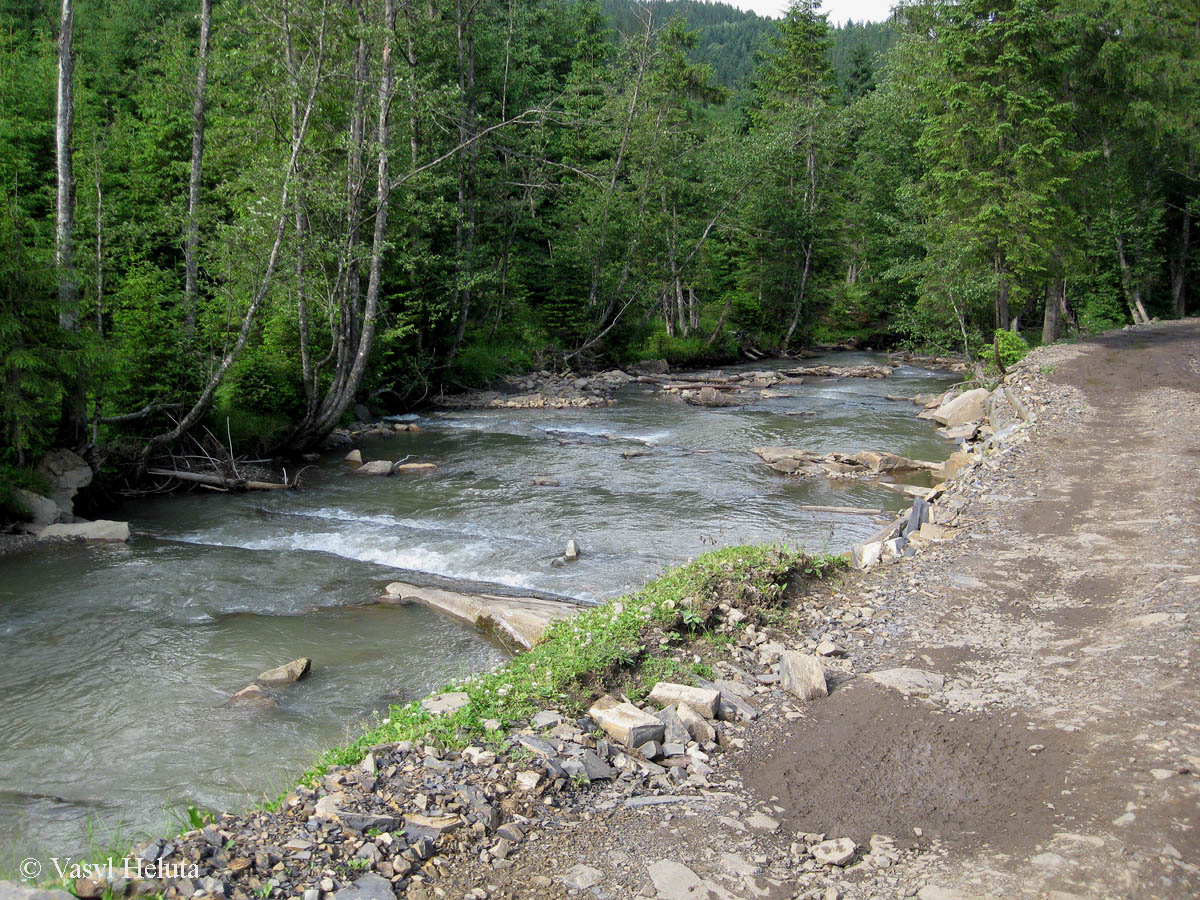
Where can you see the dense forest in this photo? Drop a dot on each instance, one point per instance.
(259, 213)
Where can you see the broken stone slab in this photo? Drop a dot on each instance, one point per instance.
(918, 515)
(580, 877)
(865, 555)
(802, 675)
(441, 704)
(100, 530)
(836, 852)
(674, 731)
(432, 827)
(954, 464)
(909, 681)
(695, 723)
(625, 723)
(966, 407)
(516, 620)
(703, 700)
(288, 673)
(369, 887)
(368, 821)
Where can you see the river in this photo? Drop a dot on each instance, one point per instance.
(116, 660)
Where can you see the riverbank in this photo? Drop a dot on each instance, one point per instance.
(1042, 747)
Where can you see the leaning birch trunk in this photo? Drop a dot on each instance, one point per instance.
(191, 289)
(336, 403)
(202, 404)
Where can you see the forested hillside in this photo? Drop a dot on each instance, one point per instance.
(268, 211)
(727, 39)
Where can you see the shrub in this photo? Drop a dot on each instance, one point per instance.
(1011, 346)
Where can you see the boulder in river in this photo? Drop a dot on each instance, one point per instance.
(354, 456)
(253, 695)
(67, 473)
(572, 552)
(287, 673)
(43, 510)
(967, 407)
(100, 530)
(651, 367)
(375, 467)
(545, 481)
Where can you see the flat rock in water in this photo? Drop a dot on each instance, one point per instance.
(287, 673)
(417, 467)
(802, 675)
(369, 887)
(100, 530)
(909, 681)
(703, 700)
(625, 723)
(375, 467)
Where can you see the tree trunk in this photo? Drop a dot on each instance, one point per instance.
(191, 242)
(73, 421)
(1052, 324)
(808, 251)
(1002, 287)
(1180, 267)
(341, 394)
(464, 229)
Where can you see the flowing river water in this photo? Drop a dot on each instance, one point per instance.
(116, 660)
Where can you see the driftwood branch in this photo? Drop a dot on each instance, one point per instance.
(231, 484)
(146, 410)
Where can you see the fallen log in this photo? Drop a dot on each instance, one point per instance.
(231, 484)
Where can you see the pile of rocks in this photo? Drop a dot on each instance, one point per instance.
(54, 516)
(863, 464)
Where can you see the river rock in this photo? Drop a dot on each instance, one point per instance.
(703, 700)
(957, 461)
(695, 724)
(253, 695)
(572, 552)
(802, 675)
(287, 673)
(11, 890)
(909, 681)
(863, 556)
(581, 877)
(545, 481)
(375, 467)
(354, 456)
(42, 510)
(651, 367)
(369, 887)
(966, 407)
(67, 473)
(835, 853)
(100, 530)
(625, 723)
(440, 704)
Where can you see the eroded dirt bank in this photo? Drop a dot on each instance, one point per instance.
(1059, 760)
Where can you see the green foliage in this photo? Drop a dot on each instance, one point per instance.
(1011, 347)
